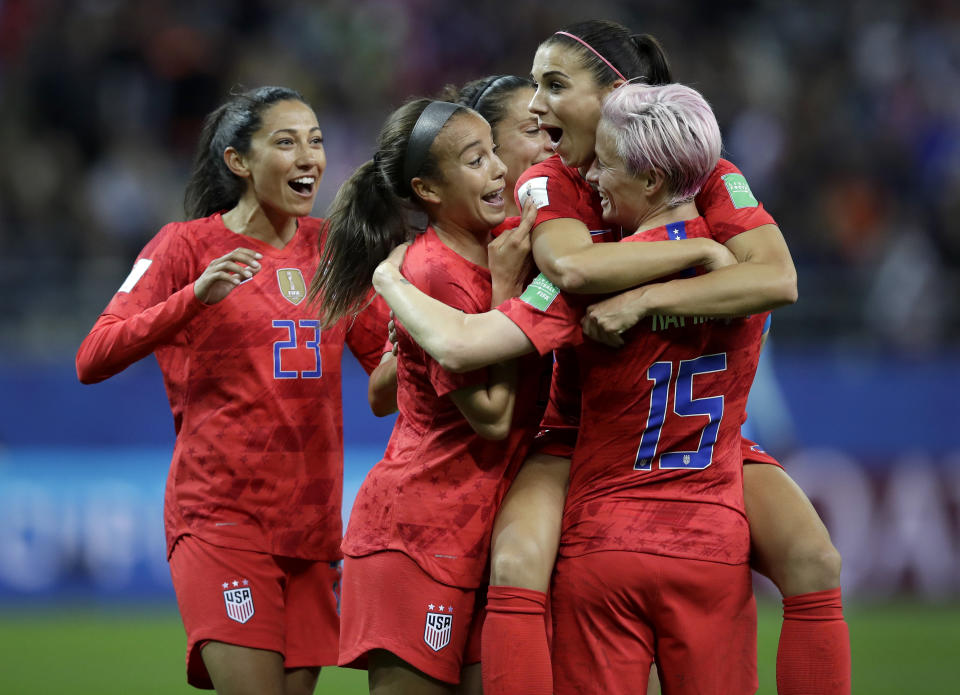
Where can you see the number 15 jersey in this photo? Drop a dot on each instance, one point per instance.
(657, 466)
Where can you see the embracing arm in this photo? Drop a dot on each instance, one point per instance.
(489, 407)
(762, 280)
(459, 342)
(564, 253)
(382, 386)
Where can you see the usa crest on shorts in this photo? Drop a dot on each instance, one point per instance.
(436, 632)
(239, 601)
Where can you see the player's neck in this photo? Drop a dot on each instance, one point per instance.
(256, 222)
(662, 215)
(465, 243)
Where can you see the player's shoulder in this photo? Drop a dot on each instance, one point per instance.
(185, 233)
(550, 168)
(314, 228)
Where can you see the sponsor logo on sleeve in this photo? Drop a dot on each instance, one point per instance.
(439, 625)
(139, 268)
(540, 293)
(535, 188)
(292, 285)
(739, 190)
(238, 598)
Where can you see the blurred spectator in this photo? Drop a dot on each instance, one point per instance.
(845, 119)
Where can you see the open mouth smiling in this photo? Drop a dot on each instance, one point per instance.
(303, 184)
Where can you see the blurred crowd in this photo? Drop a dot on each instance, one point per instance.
(845, 118)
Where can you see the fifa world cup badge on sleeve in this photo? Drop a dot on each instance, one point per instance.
(740, 194)
(238, 598)
(535, 188)
(436, 632)
(292, 284)
(540, 293)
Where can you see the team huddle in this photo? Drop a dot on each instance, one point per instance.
(563, 290)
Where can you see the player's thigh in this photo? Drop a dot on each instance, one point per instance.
(471, 681)
(526, 532)
(237, 670)
(300, 681)
(789, 542)
(603, 639)
(388, 674)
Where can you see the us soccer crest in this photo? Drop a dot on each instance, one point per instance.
(292, 285)
(239, 602)
(436, 633)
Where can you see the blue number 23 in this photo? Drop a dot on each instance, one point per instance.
(291, 343)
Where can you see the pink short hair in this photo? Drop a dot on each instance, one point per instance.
(668, 127)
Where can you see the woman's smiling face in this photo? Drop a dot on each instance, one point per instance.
(567, 102)
(470, 187)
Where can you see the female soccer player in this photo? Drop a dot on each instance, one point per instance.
(418, 537)
(253, 498)
(575, 69)
(502, 100)
(655, 548)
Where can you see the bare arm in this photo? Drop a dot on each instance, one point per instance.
(564, 253)
(489, 407)
(459, 342)
(764, 279)
(382, 386)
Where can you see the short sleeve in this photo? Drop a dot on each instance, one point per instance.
(728, 204)
(553, 190)
(545, 316)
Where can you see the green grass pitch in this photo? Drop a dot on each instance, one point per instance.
(899, 647)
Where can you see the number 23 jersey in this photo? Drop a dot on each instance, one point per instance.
(253, 383)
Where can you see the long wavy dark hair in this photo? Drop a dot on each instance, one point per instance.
(212, 186)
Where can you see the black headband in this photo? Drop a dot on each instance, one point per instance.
(494, 81)
(426, 129)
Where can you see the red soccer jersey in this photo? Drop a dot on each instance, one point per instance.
(559, 191)
(253, 383)
(436, 492)
(508, 223)
(657, 467)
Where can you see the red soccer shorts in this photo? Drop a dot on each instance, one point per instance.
(256, 600)
(615, 612)
(752, 453)
(390, 603)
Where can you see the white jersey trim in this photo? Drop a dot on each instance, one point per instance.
(139, 268)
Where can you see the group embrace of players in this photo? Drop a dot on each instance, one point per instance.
(580, 289)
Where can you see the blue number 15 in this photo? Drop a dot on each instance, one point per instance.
(684, 404)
